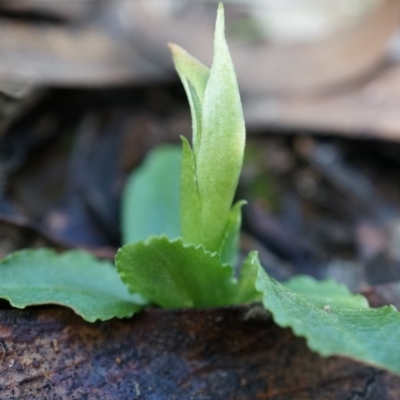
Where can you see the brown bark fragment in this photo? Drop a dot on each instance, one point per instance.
(196, 354)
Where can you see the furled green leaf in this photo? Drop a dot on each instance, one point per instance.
(333, 321)
(194, 76)
(173, 274)
(75, 279)
(220, 154)
(218, 147)
(190, 212)
(151, 199)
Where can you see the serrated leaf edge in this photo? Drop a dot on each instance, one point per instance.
(301, 331)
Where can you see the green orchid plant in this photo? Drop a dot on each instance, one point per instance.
(194, 269)
(182, 228)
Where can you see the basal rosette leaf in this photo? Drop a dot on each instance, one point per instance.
(150, 204)
(170, 274)
(327, 292)
(334, 321)
(74, 279)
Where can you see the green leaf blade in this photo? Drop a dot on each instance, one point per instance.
(343, 326)
(247, 292)
(150, 204)
(327, 292)
(194, 76)
(172, 274)
(229, 242)
(191, 230)
(74, 279)
(220, 155)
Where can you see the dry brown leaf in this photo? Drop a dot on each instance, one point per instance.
(118, 42)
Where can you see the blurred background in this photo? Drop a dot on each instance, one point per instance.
(88, 88)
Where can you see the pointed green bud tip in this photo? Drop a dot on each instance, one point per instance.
(220, 23)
